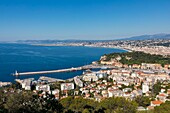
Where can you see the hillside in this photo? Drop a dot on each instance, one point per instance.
(138, 58)
(147, 37)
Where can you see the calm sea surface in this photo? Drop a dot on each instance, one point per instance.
(25, 58)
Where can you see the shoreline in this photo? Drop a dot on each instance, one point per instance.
(62, 45)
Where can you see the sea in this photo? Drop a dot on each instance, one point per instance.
(27, 58)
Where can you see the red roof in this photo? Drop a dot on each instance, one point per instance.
(162, 95)
(156, 102)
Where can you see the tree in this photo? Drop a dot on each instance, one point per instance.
(66, 102)
(118, 104)
(157, 88)
(142, 101)
(48, 104)
(18, 102)
(138, 58)
(163, 108)
(78, 104)
(16, 85)
(2, 102)
(27, 102)
(86, 111)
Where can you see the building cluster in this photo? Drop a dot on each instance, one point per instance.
(121, 80)
(40, 86)
(104, 83)
(4, 84)
(157, 50)
(152, 46)
(145, 66)
(128, 82)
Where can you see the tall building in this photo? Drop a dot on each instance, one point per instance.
(145, 87)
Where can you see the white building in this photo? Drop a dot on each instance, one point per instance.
(67, 86)
(56, 93)
(25, 83)
(126, 83)
(43, 88)
(78, 81)
(134, 75)
(101, 74)
(90, 77)
(145, 87)
(4, 83)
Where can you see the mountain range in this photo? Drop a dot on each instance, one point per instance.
(148, 37)
(141, 37)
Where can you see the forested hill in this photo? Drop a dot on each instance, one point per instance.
(138, 58)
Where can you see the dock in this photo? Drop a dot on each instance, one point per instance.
(47, 72)
(60, 70)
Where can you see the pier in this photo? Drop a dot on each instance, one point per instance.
(62, 70)
(47, 72)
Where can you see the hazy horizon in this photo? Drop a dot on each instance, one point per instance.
(79, 38)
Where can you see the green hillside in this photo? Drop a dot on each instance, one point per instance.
(138, 58)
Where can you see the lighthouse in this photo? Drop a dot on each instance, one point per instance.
(16, 73)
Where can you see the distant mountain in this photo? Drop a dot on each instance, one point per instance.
(142, 37)
(147, 37)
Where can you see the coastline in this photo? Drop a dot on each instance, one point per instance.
(51, 45)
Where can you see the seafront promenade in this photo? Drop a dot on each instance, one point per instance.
(62, 70)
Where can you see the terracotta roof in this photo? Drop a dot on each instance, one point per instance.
(162, 95)
(40, 95)
(156, 102)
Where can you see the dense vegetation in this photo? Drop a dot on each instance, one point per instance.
(143, 101)
(14, 100)
(163, 108)
(17, 101)
(28, 102)
(109, 105)
(138, 58)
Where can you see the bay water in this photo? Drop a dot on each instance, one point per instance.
(26, 58)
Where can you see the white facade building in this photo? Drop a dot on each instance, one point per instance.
(78, 81)
(43, 88)
(67, 86)
(145, 87)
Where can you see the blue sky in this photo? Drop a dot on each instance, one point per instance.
(82, 19)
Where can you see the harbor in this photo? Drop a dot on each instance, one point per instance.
(62, 70)
(47, 72)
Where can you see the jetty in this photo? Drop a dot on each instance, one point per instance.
(59, 70)
(46, 72)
